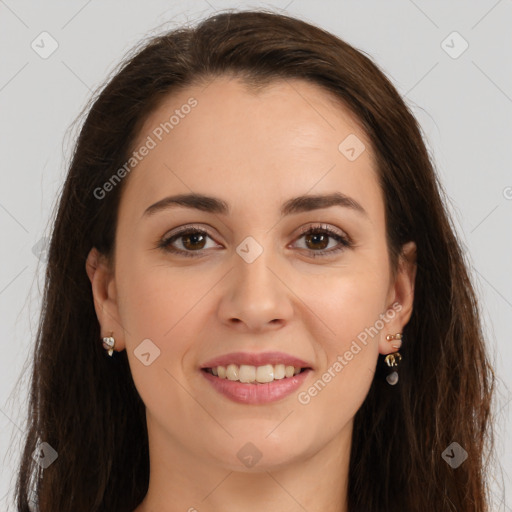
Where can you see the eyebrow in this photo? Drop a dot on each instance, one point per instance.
(304, 203)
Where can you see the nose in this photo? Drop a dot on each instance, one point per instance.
(256, 297)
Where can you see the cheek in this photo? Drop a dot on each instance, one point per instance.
(162, 307)
(155, 301)
(346, 302)
(159, 305)
(351, 307)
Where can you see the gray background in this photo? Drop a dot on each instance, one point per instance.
(464, 105)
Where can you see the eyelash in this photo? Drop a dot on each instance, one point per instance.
(344, 242)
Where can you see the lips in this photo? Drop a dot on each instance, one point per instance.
(252, 378)
(257, 394)
(256, 359)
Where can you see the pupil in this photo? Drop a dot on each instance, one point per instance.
(324, 245)
(192, 237)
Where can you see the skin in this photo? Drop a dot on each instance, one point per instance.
(254, 151)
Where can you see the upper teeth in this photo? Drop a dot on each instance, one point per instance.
(262, 374)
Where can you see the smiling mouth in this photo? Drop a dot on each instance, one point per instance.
(248, 374)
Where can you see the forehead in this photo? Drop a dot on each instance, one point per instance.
(223, 139)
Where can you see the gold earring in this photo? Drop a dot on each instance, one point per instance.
(392, 360)
(108, 344)
(397, 336)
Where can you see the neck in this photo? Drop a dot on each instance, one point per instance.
(182, 482)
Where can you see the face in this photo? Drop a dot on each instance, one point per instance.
(265, 281)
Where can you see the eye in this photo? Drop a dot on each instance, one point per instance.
(190, 239)
(317, 237)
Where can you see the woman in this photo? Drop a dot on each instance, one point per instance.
(255, 299)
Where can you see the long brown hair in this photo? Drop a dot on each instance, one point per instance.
(86, 406)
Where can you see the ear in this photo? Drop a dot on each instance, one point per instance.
(400, 299)
(104, 294)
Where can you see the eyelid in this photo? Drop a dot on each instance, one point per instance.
(326, 227)
(186, 228)
(303, 229)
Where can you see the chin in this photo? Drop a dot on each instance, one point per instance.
(253, 454)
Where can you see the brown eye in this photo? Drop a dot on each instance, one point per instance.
(186, 242)
(317, 239)
(193, 241)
